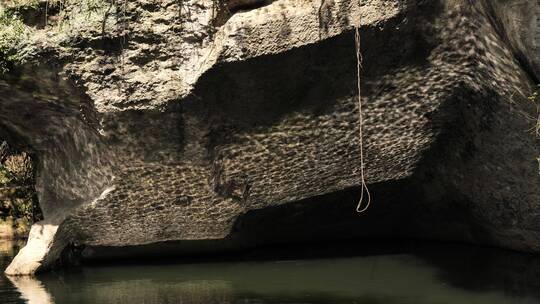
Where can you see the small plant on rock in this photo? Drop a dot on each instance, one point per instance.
(535, 97)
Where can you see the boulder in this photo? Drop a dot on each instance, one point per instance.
(159, 129)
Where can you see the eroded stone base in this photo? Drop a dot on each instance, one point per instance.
(41, 250)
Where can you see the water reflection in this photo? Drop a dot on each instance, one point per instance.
(8, 293)
(8, 249)
(31, 290)
(446, 274)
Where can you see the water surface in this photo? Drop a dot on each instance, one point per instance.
(419, 274)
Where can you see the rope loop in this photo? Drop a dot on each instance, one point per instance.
(364, 191)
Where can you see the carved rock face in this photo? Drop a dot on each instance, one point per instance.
(248, 133)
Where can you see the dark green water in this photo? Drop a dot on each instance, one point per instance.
(416, 275)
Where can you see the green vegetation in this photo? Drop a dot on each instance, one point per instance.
(12, 33)
(58, 21)
(17, 194)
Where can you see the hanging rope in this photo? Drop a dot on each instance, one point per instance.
(363, 186)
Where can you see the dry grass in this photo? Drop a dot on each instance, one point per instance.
(17, 194)
(21, 166)
(535, 97)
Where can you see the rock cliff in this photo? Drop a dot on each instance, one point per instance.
(193, 126)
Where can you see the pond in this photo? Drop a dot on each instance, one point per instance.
(411, 273)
